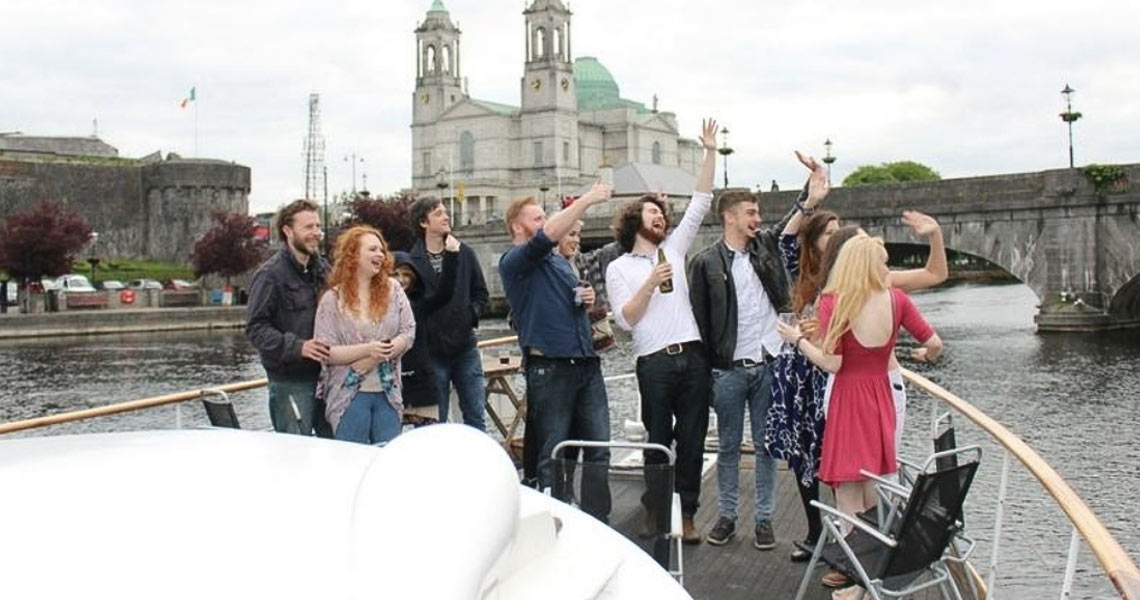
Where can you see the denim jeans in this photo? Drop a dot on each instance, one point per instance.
(676, 387)
(369, 419)
(734, 390)
(311, 409)
(564, 395)
(466, 371)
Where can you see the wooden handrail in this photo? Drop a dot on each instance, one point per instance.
(1113, 559)
(499, 341)
(122, 407)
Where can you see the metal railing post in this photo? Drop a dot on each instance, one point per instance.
(1071, 565)
(991, 579)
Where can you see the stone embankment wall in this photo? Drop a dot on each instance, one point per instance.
(149, 210)
(135, 320)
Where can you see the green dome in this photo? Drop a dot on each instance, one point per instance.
(595, 85)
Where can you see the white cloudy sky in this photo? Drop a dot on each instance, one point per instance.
(968, 87)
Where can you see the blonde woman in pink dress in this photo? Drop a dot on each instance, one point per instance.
(860, 315)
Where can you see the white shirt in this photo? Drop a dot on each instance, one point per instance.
(669, 317)
(755, 317)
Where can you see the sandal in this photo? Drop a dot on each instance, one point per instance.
(835, 579)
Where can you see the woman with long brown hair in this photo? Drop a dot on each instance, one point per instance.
(794, 430)
(368, 323)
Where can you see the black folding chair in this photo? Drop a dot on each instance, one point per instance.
(635, 498)
(219, 409)
(892, 559)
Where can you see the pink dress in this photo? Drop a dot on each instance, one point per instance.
(860, 430)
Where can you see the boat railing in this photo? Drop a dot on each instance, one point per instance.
(1117, 565)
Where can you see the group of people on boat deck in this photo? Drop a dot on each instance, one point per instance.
(794, 325)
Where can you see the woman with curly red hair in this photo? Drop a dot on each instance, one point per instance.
(367, 321)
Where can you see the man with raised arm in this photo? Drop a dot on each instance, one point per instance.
(672, 370)
(564, 383)
(739, 286)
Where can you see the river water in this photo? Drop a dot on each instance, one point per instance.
(1073, 398)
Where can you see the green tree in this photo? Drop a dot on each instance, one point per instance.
(892, 172)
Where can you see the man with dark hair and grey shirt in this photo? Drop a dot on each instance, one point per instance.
(279, 321)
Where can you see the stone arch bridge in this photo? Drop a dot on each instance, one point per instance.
(1078, 250)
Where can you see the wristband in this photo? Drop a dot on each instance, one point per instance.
(804, 210)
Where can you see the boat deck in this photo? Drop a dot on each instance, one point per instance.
(737, 570)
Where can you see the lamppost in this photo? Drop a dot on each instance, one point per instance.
(441, 184)
(828, 158)
(544, 188)
(93, 260)
(353, 160)
(724, 151)
(1068, 117)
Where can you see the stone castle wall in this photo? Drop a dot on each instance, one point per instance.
(151, 211)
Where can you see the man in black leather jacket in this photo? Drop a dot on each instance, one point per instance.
(738, 286)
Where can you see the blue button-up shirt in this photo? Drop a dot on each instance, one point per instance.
(540, 289)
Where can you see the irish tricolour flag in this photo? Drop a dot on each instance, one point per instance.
(188, 99)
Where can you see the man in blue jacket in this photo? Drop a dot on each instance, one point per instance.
(279, 321)
(453, 356)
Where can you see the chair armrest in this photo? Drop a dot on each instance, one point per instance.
(871, 531)
(891, 486)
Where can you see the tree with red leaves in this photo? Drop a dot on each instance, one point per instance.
(389, 215)
(42, 241)
(229, 248)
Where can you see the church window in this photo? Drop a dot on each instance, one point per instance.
(467, 152)
(431, 59)
(447, 60)
(427, 163)
(565, 153)
(557, 42)
(656, 153)
(537, 153)
(540, 42)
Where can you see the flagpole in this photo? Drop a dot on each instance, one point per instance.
(195, 101)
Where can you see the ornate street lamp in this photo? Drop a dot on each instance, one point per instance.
(1068, 117)
(442, 184)
(724, 151)
(828, 158)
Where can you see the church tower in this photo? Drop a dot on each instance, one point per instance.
(549, 127)
(438, 79)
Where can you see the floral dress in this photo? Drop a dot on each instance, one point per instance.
(795, 421)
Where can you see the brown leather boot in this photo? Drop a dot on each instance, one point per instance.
(689, 533)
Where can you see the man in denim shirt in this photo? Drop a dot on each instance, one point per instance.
(563, 373)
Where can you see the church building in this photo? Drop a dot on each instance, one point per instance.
(570, 127)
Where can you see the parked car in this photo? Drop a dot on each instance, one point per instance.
(180, 284)
(74, 283)
(112, 284)
(144, 284)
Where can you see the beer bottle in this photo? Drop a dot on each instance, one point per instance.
(666, 286)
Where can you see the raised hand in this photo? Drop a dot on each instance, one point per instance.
(922, 224)
(451, 244)
(818, 184)
(599, 193)
(709, 129)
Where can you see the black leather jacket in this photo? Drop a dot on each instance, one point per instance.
(713, 293)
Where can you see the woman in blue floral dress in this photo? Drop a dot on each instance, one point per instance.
(795, 413)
